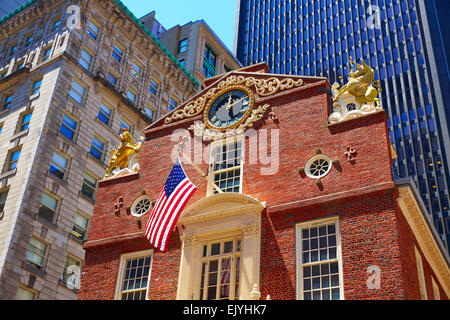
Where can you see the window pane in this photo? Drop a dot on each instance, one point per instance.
(49, 202)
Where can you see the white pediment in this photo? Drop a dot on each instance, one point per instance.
(220, 205)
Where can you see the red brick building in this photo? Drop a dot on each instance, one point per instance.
(311, 212)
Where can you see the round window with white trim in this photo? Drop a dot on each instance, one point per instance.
(141, 206)
(318, 166)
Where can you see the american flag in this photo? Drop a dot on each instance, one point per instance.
(176, 192)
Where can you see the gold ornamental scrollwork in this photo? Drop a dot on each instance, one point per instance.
(264, 87)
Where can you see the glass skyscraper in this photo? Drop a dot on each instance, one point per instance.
(405, 41)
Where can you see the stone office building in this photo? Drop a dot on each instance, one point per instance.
(196, 46)
(70, 78)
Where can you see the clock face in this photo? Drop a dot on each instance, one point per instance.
(229, 109)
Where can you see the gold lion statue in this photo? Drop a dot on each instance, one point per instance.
(359, 85)
(121, 157)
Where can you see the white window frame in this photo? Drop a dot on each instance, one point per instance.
(234, 254)
(299, 253)
(210, 190)
(122, 268)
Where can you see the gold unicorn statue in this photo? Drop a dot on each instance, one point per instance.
(121, 157)
(361, 85)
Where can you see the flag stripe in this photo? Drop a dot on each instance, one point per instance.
(165, 209)
(152, 214)
(170, 211)
(168, 207)
(156, 214)
(169, 229)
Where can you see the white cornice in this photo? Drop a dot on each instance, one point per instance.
(427, 243)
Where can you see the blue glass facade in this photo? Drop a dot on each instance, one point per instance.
(403, 40)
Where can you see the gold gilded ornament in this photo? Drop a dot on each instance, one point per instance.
(361, 85)
(121, 157)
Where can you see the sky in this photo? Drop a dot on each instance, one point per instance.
(218, 14)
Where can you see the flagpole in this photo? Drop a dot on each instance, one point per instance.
(200, 171)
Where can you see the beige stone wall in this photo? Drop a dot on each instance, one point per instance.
(32, 178)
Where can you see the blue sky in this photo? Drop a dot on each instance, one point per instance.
(218, 14)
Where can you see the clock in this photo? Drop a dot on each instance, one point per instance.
(229, 108)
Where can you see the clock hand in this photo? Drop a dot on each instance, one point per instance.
(229, 102)
(230, 106)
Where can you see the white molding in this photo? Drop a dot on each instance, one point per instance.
(123, 258)
(298, 251)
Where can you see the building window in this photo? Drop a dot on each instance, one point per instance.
(58, 165)
(3, 197)
(13, 159)
(131, 96)
(71, 268)
(80, 227)
(421, 275)
(26, 294)
(93, 29)
(220, 271)
(182, 62)
(77, 91)
(68, 127)
(89, 186)
(48, 207)
(36, 88)
(124, 125)
(25, 121)
(141, 206)
(136, 70)
(182, 45)
(104, 114)
(46, 52)
(173, 103)
(97, 148)
(318, 166)
(319, 271)
(226, 168)
(85, 59)
(36, 254)
(150, 113)
(134, 276)
(209, 62)
(117, 52)
(7, 101)
(153, 88)
(112, 79)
